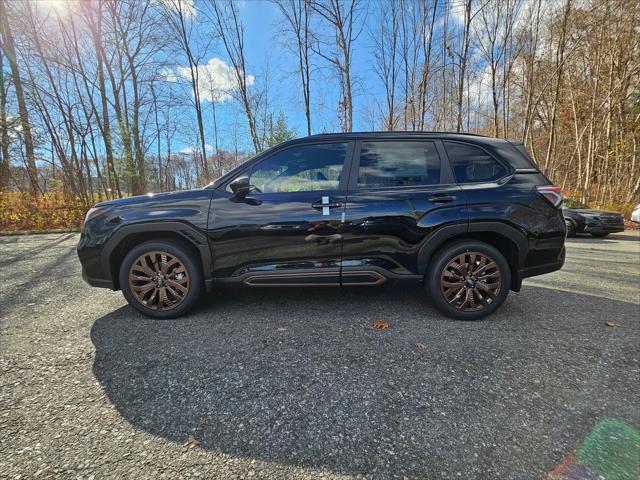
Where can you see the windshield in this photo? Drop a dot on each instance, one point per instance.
(571, 203)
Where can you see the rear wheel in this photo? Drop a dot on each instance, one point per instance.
(468, 280)
(161, 278)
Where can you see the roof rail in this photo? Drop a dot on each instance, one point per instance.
(400, 132)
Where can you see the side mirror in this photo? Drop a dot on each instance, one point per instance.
(240, 187)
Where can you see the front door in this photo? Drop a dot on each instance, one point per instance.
(286, 231)
(400, 191)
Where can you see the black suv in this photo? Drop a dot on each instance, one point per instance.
(467, 215)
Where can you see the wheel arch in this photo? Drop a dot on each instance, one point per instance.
(509, 241)
(130, 236)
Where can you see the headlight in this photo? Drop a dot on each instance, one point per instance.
(95, 212)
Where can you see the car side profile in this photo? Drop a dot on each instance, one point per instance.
(468, 216)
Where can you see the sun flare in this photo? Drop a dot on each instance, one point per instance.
(59, 8)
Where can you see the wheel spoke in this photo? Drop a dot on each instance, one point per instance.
(487, 267)
(142, 289)
(139, 278)
(175, 285)
(487, 276)
(486, 288)
(168, 264)
(457, 295)
(141, 265)
(467, 298)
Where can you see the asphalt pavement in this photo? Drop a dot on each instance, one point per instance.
(294, 383)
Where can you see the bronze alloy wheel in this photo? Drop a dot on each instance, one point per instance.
(470, 281)
(159, 280)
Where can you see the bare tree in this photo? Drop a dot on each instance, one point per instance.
(341, 15)
(463, 59)
(4, 128)
(94, 22)
(297, 14)
(175, 14)
(385, 41)
(9, 49)
(230, 29)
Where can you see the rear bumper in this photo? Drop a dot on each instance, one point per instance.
(536, 270)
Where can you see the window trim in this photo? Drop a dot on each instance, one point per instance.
(508, 168)
(446, 177)
(342, 185)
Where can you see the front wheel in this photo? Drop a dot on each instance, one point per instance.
(571, 228)
(161, 278)
(468, 280)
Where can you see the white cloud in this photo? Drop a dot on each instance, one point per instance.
(187, 7)
(216, 80)
(480, 86)
(169, 75)
(191, 150)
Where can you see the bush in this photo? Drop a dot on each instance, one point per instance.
(51, 211)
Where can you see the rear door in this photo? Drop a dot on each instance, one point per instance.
(286, 231)
(400, 191)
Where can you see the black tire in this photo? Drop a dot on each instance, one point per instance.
(449, 253)
(194, 278)
(571, 228)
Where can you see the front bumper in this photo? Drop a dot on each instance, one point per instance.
(603, 228)
(97, 282)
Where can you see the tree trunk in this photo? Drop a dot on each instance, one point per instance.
(8, 45)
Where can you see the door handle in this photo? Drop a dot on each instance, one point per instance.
(443, 198)
(318, 205)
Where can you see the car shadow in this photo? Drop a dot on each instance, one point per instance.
(299, 377)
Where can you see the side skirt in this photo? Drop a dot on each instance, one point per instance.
(357, 277)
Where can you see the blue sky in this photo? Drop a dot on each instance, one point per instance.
(265, 45)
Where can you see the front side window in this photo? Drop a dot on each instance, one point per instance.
(472, 164)
(398, 164)
(305, 168)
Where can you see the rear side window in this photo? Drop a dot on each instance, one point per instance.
(472, 164)
(398, 164)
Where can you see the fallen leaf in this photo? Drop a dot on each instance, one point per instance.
(613, 324)
(281, 329)
(192, 442)
(380, 324)
(420, 346)
(202, 423)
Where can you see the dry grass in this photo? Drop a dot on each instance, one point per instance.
(51, 211)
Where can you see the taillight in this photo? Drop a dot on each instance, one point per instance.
(552, 195)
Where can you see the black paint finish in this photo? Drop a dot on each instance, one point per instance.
(368, 236)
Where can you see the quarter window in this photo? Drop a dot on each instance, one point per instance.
(472, 164)
(300, 169)
(397, 164)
